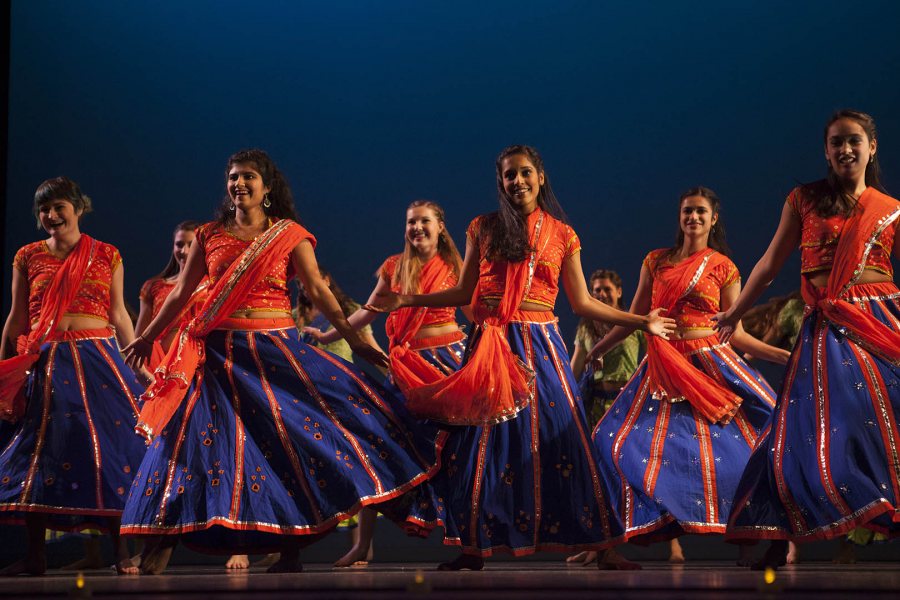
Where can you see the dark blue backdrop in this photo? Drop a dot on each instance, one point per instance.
(369, 105)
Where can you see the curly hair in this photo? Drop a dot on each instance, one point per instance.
(280, 196)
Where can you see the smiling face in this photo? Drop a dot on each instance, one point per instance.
(604, 290)
(423, 229)
(848, 149)
(181, 245)
(697, 216)
(245, 186)
(521, 182)
(59, 217)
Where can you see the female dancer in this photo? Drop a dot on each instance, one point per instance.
(425, 338)
(155, 291)
(829, 461)
(682, 430)
(268, 443)
(73, 451)
(600, 386)
(523, 476)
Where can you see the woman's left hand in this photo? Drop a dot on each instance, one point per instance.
(370, 354)
(385, 302)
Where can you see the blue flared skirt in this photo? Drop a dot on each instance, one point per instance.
(830, 458)
(674, 472)
(74, 453)
(530, 483)
(274, 437)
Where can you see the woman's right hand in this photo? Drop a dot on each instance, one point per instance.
(385, 302)
(138, 352)
(725, 325)
(660, 325)
(370, 354)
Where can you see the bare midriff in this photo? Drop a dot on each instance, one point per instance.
(78, 323)
(691, 334)
(259, 314)
(820, 278)
(434, 330)
(530, 306)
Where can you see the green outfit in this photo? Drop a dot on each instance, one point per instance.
(619, 364)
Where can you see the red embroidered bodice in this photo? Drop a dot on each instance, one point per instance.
(92, 300)
(545, 284)
(694, 309)
(433, 316)
(155, 291)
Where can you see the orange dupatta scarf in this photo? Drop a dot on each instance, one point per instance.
(408, 368)
(875, 212)
(493, 385)
(59, 295)
(673, 377)
(187, 354)
(187, 313)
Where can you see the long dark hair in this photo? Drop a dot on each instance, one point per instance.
(172, 267)
(831, 199)
(717, 231)
(282, 201)
(409, 268)
(505, 229)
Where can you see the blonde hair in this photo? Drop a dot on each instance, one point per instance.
(409, 267)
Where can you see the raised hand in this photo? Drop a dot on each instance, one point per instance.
(314, 333)
(660, 325)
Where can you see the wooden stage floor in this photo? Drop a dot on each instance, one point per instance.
(499, 580)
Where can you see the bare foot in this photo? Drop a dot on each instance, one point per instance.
(793, 555)
(356, 557)
(676, 555)
(268, 560)
(583, 558)
(126, 567)
(846, 554)
(136, 560)
(36, 565)
(238, 562)
(745, 555)
(156, 556)
(610, 560)
(463, 561)
(286, 564)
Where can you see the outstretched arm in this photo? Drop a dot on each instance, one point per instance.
(359, 319)
(588, 307)
(307, 268)
(786, 238)
(639, 304)
(458, 295)
(138, 352)
(745, 342)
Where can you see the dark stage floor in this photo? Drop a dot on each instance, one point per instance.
(498, 580)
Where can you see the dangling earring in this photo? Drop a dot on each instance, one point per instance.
(266, 202)
(231, 206)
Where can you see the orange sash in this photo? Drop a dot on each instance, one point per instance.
(408, 368)
(187, 313)
(875, 213)
(673, 377)
(57, 298)
(187, 353)
(493, 385)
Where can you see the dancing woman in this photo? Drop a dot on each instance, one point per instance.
(828, 463)
(155, 290)
(72, 456)
(681, 431)
(520, 474)
(260, 442)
